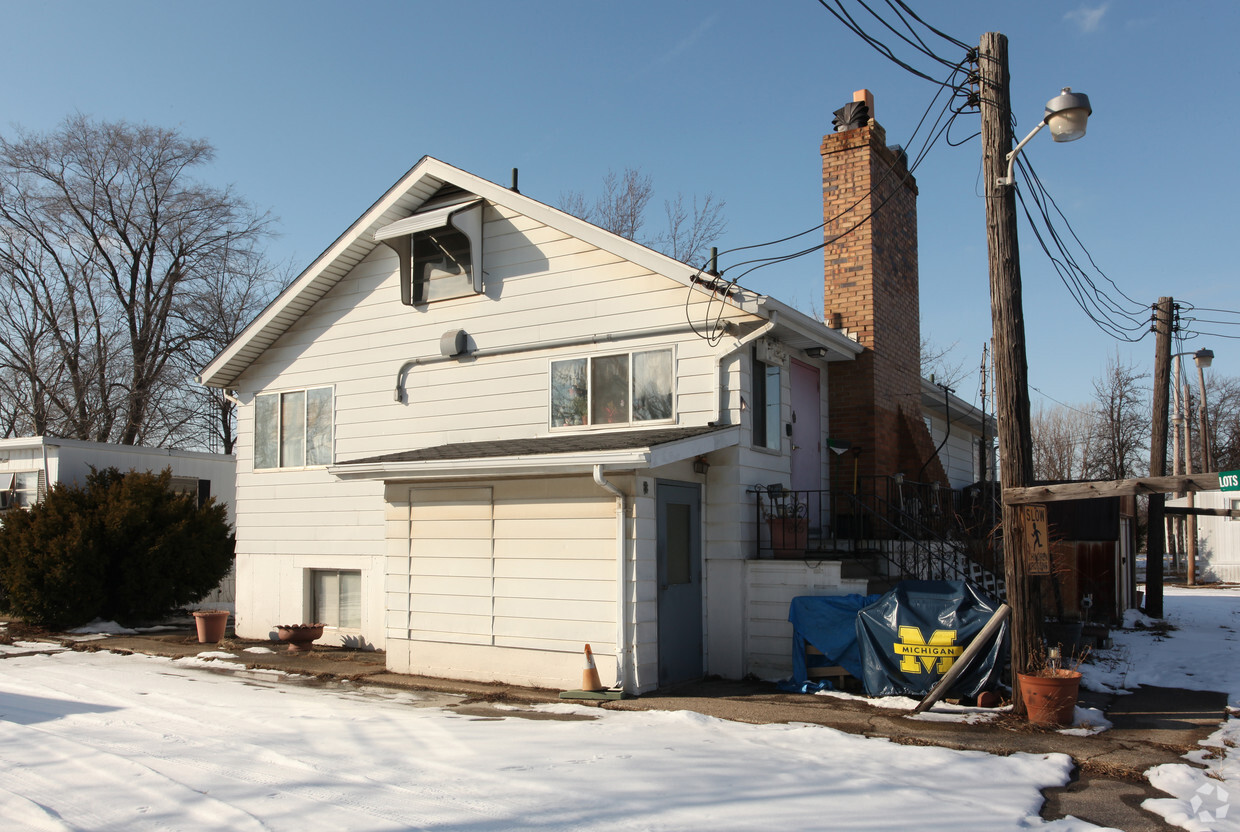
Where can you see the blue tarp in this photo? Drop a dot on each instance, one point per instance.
(915, 633)
(829, 624)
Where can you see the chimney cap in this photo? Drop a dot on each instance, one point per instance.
(867, 97)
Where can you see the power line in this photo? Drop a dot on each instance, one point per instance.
(711, 330)
(840, 13)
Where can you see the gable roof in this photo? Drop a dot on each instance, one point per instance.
(400, 201)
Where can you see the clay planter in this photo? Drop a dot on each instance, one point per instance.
(211, 625)
(299, 636)
(1051, 699)
(789, 536)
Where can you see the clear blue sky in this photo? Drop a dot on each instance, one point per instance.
(315, 108)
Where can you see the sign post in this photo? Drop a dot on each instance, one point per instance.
(1037, 549)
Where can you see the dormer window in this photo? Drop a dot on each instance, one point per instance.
(439, 250)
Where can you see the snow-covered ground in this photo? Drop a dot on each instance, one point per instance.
(99, 741)
(1200, 653)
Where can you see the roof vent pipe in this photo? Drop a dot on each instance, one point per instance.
(514, 182)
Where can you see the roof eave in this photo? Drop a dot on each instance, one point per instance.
(511, 466)
(794, 325)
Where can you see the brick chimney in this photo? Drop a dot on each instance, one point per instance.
(869, 202)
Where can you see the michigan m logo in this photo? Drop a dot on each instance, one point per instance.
(918, 655)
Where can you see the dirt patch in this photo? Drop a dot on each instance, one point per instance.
(480, 711)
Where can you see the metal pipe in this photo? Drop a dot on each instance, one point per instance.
(531, 346)
(622, 641)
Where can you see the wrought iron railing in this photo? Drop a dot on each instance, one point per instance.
(916, 530)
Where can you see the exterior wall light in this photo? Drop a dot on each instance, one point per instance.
(1066, 114)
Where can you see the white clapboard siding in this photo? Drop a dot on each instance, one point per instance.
(543, 544)
(770, 587)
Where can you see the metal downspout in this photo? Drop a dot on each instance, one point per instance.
(719, 359)
(622, 617)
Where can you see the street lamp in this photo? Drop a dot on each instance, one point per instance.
(1203, 358)
(1066, 114)
(1007, 316)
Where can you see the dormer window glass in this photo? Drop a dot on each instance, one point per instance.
(439, 250)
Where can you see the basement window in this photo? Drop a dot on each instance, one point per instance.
(337, 598)
(439, 250)
(615, 389)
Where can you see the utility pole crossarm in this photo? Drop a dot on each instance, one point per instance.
(1109, 488)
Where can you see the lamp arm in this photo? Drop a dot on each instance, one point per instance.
(1011, 157)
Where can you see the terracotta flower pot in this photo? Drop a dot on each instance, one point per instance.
(299, 636)
(789, 536)
(211, 625)
(1051, 699)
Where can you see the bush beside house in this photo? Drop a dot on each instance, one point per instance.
(122, 547)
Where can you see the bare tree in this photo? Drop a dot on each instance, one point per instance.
(1123, 424)
(1063, 443)
(104, 235)
(1222, 421)
(621, 209)
(690, 230)
(215, 315)
(934, 362)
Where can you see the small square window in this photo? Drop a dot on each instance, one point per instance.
(22, 489)
(1234, 505)
(338, 598)
(439, 250)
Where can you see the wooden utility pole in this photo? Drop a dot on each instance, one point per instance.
(1155, 539)
(1190, 523)
(1008, 321)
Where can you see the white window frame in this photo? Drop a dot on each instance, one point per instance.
(22, 495)
(314, 606)
(629, 421)
(280, 396)
(762, 436)
(1233, 504)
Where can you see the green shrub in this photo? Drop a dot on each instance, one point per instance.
(123, 547)
(51, 563)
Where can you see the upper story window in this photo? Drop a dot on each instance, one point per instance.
(439, 250)
(293, 429)
(614, 389)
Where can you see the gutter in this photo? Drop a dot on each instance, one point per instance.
(623, 648)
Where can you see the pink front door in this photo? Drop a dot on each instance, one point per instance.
(806, 428)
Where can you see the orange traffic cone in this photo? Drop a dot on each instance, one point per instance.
(589, 676)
